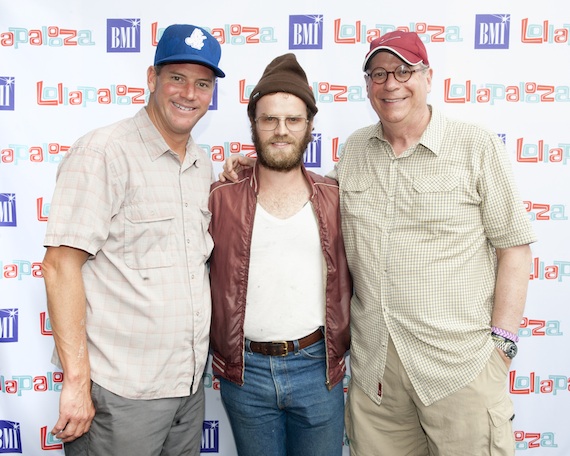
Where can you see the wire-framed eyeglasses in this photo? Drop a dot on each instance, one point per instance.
(270, 123)
(402, 74)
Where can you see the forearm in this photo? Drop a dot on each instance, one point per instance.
(66, 306)
(511, 287)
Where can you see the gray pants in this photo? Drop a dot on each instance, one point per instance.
(158, 427)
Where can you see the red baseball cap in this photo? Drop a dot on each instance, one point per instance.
(406, 45)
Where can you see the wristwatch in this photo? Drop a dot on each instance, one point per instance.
(508, 346)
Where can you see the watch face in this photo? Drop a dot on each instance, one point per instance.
(511, 350)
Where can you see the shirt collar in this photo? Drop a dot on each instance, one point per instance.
(156, 145)
(431, 138)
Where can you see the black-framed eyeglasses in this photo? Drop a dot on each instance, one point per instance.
(402, 74)
(270, 123)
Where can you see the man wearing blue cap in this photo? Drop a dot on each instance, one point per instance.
(125, 268)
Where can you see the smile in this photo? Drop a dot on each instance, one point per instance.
(183, 108)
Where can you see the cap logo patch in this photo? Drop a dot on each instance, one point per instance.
(196, 40)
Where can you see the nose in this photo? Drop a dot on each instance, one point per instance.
(189, 91)
(281, 128)
(391, 80)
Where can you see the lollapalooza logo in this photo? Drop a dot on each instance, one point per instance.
(542, 152)
(545, 212)
(42, 153)
(557, 271)
(52, 36)
(234, 34)
(115, 94)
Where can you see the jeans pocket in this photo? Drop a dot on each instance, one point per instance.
(314, 351)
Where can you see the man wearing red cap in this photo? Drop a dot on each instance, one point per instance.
(280, 283)
(125, 269)
(437, 243)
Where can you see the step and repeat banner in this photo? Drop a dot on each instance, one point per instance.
(67, 67)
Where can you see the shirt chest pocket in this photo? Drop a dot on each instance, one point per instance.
(149, 237)
(436, 197)
(357, 197)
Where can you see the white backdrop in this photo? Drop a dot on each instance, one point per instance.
(67, 67)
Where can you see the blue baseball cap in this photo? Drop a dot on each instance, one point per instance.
(189, 44)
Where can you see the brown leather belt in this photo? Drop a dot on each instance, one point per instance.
(281, 348)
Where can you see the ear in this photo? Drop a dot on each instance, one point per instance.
(428, 79)
(151, 78)
(367, 82)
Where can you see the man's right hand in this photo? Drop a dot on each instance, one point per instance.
(76, 412)
(233, 165)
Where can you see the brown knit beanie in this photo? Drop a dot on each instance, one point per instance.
(283, 74)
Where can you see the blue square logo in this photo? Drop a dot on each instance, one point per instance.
(312, 157)
(10, 439)
(306, 32)
(123, 35)
(7, 209)
(492, 31)
(7, 90)
(8, 325)
(210, 437)
(214, 103)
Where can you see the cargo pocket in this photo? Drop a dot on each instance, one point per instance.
(149, 237)
(500, 418)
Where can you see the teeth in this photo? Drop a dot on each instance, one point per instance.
(182, 107)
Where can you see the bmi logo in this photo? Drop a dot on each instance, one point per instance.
(123, 35)
(312, 157)
(10, 439)
(7, 86)
(7, 209)
(210, 437)
(492, 31)
(306, 32)
(214, 103)
(8, 325)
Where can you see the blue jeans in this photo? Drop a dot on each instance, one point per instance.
(284, 407)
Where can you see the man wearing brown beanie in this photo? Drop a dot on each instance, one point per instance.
(280, 283)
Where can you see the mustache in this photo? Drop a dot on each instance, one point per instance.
(280, 139)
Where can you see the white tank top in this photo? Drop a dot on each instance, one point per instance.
(285, 294)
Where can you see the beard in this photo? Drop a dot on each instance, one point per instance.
(281, 161)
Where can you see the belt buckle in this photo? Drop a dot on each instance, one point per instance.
(281, 343)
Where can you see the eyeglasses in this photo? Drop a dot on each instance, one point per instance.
(401, 74)
(270, 123)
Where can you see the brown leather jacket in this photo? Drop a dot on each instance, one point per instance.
(233, 211)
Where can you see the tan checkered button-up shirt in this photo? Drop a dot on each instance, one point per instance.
(126, 199)
(420, 231)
